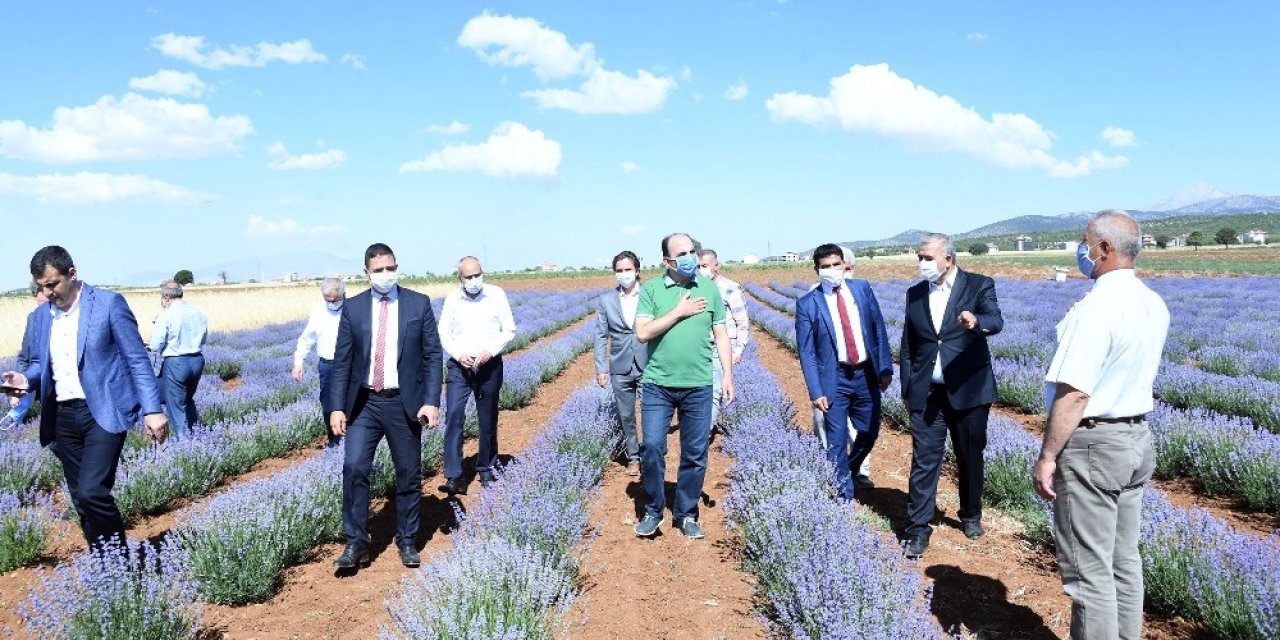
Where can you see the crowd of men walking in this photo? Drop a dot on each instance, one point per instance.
(669, 343)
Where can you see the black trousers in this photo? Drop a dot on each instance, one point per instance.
(461, 383)
(930, 425)
(376, 417)
(89, 456)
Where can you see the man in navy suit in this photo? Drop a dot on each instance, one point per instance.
(845, 357)
(387, 371)
(93, 377)
(947, 383)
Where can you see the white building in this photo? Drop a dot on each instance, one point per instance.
(1256, 236)
(751, 258)
(790, 256)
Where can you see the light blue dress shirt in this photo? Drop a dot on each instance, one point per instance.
(180, 330)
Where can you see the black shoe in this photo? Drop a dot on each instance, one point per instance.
(408, 555)
(487, 479)
(973, 528)
(353, 556)
(454, 486)
(863, 483)
(915, 546)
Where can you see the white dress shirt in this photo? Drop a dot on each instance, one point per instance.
(321, 332)
(1110, 345)
(390, 372)
(64, 342)
(939, 296)
(629, 302)
(855, 322)
(469, 326)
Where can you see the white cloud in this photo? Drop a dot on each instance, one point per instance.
(632, 229)
(512, 150)
(736, 92)
(976, 36)
(629, 167)
(193, 49)
(525, 42)
(259, 226)
(872, 99)
(610, 92)
(686, 73)
(454, 128)
(1117, 137)
(96, 188)
(174, 83)
(517, 42)
(353, 60)
(129, 128)
(327, 159)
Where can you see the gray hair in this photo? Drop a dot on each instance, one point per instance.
(847, 253)
(171, 290)
(709, 252)
(1119, 230)
(947, 245)
(330, 285)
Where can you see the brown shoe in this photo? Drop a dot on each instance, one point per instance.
(633, 468)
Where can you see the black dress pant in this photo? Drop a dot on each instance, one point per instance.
(930, 425)
(460, 383)
(375, 417)
(89, 456)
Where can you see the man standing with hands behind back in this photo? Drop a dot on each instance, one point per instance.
(93, 377)
(386, 377)
(947, 384)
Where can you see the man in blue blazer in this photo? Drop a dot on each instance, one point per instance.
(91, 372)
(845, 357)
(387, 371)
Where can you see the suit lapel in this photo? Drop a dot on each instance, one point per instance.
(949, 318)
(86, 316)
(402, 321)
(824, 312)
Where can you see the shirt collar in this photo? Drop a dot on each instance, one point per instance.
(948, 282)
(392, 295)
(670, 282)
(1116, 278)
(634, 293)
(828, 288)
(75, 306)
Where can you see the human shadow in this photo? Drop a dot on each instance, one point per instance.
(980, 605)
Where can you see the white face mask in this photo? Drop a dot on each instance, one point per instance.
(382, 281)
(473, 285)
(626, 278)
(705, 272)
(831, 276)
(929, 270)
(334, 306)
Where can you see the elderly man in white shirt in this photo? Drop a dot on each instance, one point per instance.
(475, 327)
(321, 334)
(1097, 451)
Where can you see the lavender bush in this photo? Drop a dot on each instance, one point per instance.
(25, 523)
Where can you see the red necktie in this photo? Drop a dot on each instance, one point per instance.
(850, 345)
(380, 351)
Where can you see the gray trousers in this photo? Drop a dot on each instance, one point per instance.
(625, 386)
(1096, 521)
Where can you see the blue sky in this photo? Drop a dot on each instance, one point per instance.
(155, 136)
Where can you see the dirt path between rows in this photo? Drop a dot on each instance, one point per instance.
(313, 603)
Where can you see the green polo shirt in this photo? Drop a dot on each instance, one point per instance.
(681, 357)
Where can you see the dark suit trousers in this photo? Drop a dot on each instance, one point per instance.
(89, 456)
(930, 425)
(857, 398)
(485, 384)
(325, 369)
(376, 417)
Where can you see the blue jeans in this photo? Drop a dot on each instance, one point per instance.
(179, 377)
(693, 405)
(857, 399)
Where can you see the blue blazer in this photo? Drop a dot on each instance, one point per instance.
(115, 371)
(418, 354)
(816, 337)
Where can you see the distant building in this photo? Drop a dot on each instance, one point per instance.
(547, 265)
(993, 247)
(1068, 245)
(1023, 243)
(1257, 236)
(292, 276)
(1148, 240)
(1180, 240)
(790, 256)
(751, 258)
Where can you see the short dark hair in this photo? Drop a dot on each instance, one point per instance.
(626, 255)
(377, 249)
(51, 256)
(826, 251)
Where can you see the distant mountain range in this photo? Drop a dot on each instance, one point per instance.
(1211, 202)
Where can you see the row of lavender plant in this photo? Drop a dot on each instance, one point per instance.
(513, 570)
(826, 571)
(1227, 454)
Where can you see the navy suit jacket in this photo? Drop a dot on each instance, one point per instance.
(966, 360)
(115, 371)
(418, 353)
(816, 337)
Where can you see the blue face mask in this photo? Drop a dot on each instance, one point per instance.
(687, 265)
(1084, 261)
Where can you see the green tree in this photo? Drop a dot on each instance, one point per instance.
(184, 277)
(868, 253)
(1225, 236)
(1162, 241)
(1195, 239)
(979, 249)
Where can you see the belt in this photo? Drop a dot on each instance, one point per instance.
(385, 393)
(326, 360)
(185, 355)
(850, 367)
(1090, 423)
(73, 403)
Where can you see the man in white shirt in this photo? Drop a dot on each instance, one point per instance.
(475, 327)
(619, 357)
(321, 334)
(1097, 451)
(737, 324)
(178, 337)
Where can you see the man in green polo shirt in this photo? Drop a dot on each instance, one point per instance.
(675, 315)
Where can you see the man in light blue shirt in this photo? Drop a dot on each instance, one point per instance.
(178, 337)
